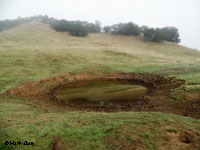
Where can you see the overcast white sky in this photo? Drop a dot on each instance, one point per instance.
(183, 14)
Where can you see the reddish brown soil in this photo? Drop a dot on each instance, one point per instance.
(58, 145)
(158, 98)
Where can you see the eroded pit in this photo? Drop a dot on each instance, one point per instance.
(127, 92)
(111, 93)
(100, 93)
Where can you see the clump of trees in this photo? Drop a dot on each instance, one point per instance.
(123, 29)
(170, 34)
(76, 28)
(7, 24)
(82, 28)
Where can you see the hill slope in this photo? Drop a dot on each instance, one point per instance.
(37, 51)
(34, 51)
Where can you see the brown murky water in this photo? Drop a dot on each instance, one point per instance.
(100, 92)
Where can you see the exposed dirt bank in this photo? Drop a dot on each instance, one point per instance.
(157, 98)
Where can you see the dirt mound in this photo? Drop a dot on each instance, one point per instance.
(156, 99)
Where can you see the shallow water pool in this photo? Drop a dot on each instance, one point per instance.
(100, 92)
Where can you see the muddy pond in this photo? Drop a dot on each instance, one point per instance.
(100, 92)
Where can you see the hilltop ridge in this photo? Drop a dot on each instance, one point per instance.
(42, 35)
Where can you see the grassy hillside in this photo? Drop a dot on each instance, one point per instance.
(34, 51)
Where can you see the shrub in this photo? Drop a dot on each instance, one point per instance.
(78, 29)
(128, 29)
(107, 29)
(162, 34)
(171, 34)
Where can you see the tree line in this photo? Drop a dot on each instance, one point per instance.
(76, 28)
(7, 24)
(82, 28)
(170, 34)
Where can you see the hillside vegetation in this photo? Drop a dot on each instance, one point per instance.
(33, 51)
